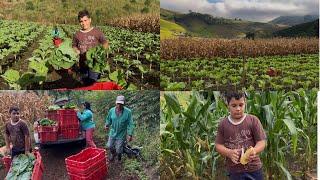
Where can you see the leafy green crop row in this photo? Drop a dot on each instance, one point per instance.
(290, 72)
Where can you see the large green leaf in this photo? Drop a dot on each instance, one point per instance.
(11, 76)
(172, 102)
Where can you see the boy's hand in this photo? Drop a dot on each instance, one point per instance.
(234, 155)
(253, 155)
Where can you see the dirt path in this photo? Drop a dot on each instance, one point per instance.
(53, 158)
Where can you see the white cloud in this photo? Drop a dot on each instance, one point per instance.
(258, 10)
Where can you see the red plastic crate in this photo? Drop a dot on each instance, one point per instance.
(37, 169)
(48, 133)
(85, 159)
(7, 163)
(101, 86)
(54, 115)
(100, 173)
(48, 128)
(89, 170)
(69, 132)
(68, 117)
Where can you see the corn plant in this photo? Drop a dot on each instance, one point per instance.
(188, 132)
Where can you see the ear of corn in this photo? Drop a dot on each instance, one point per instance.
(245, 156)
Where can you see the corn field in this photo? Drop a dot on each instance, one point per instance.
(186, 48)
(32, 106)
(188, 132)
(140, 22)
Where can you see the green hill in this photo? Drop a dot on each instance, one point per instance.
(294, 20)
(170, 29)
(309, 29)
(167, 14)
(205, 25)
(66, 11)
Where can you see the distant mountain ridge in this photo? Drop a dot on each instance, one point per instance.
(206, 25)
(309, 29)
(294, 20)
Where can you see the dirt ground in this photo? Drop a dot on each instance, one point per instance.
(53, 158)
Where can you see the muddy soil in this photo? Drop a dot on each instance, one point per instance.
(53, 158)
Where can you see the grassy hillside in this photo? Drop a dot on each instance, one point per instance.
(167, 14)
(294, 20)
(65, 11)
(170, 29)
(205, 25)
(309, 29)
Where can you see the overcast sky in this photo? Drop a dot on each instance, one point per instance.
(254, 10)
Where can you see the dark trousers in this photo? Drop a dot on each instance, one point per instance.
(88, 77)
(255, 175)
(17, 151)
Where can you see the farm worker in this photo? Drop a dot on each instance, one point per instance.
(120, 123)
(87, 123)
(84, 39)
(237, 133)
(17, 133)
(56, 37)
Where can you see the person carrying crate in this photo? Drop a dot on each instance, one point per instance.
(121, 125)
(88, 37)
(17, 133)
(87, 123)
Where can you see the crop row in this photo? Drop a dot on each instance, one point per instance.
(182, 48)
(263, 73)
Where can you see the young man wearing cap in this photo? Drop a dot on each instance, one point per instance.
(88, 37)
(121, 125)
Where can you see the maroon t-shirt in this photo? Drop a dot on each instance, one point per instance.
(17, 133)
(245, 134)
(86, 40)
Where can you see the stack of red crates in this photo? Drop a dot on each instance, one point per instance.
(89, 164)
(67, 121)
(48, 133)
(37, 168)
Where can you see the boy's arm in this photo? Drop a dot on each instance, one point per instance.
(258, 148)
(7, 139)
(26, 144)
(233, 154)
(75, 43)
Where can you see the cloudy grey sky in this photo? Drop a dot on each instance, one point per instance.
(254, 10)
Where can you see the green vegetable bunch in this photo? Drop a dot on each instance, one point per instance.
(53, 108)
(69, 105)
(64, 57)
(47, 122)
(22, 167)
(96, 59)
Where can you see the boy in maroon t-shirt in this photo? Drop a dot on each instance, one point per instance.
(17, 133)
(237, 133)
(88, 37)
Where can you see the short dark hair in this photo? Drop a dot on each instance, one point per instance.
(13, 108)
(87, 105)
(83, 13)
(234, 94)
